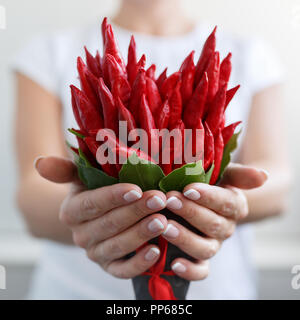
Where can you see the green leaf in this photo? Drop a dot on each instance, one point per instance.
(179, 178)
(209, 173)
(229, 148)
(93, 178)
(141, 172)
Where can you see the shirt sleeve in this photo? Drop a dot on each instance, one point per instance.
(264, 68)
(36, 61)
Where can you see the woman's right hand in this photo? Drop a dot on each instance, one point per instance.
(109, 222)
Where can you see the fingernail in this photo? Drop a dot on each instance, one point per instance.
(171, 232)
(132, 195)
(152, 254)
(155, 203)
(174, 203)
(265, 172)
(155, 226)
(179, 267)
(36, 161)
(192, 194)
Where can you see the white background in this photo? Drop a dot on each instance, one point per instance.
(277, 21)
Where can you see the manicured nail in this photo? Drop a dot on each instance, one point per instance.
(152, 254)
(266, 173)
(36, 161)
(174, 203)
(155, 226)
(192, 194)
(171, 232)
(179, 267)
(132, 195)
(155, 203)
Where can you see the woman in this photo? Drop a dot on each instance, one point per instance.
(102, 222)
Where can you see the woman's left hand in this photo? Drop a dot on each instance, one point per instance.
(213, 210)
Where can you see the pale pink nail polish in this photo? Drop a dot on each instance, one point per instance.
(36, 161)
(132, 195)
(171, 232)
(174, 203)
(192, 194)
(155, 203)
(155, 226)
(152, 254)
(179, 267)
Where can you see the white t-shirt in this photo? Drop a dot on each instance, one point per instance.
(64, 272)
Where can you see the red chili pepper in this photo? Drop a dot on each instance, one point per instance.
(219, 147)
(187, 70)
(161, 79)
(169, 84)
(125, 115)
(111, 47)
(94, 84)
(142, 62)
(207, 52)
(110, 111)
(85, 85)
(162, 115)
(195, 108)
(230, 94)
(225, 70)
(151, 72)
(175, 102)
(216, 111)
(93, 64)
(153, 95)
(228, 132)
(87, 113)
(213, 73)
(132, 61)
(138, 89)
(103, 29)
(120, 87)
(76, 112)
(209, 149)
(148, 124)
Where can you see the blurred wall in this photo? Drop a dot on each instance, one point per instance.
(277, 21)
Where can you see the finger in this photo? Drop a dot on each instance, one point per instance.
(120, 219)
(228, 202)
(191, 271)
(198, 247)
(203, 219)
(141, 262)
(90, 205)
(56, 169)
(244, 177)
(129, 240)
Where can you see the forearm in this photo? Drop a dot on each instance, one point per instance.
(39, 201)
(269, 200)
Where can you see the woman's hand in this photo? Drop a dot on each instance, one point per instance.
(213, 210)
(110, 222)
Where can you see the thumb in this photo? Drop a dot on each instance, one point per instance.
(244, 177)
(56, 169)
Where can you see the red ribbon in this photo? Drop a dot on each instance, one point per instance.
(159, 288)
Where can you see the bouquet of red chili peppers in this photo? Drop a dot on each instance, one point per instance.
(157, 132)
